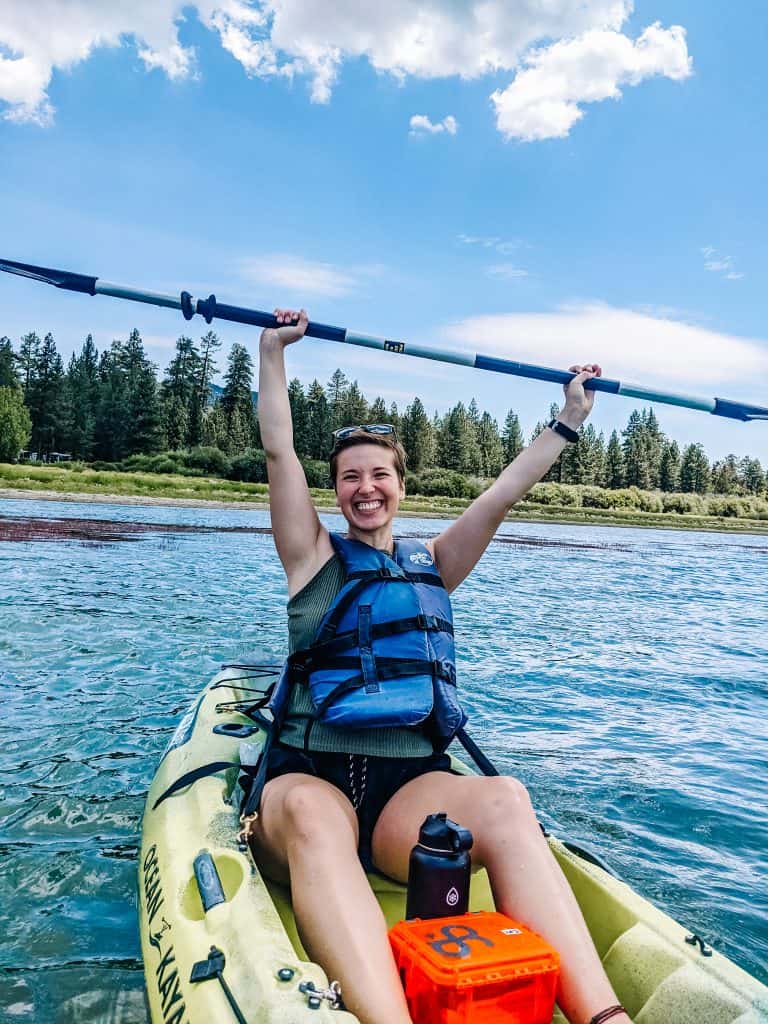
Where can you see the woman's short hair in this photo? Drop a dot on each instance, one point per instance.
(388, 441)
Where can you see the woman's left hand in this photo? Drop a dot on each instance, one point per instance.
(578, 401)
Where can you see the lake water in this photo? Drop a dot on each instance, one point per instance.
(620, 673)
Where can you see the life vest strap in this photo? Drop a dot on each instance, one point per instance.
(317, 654)
(387, 668)
(360, 580)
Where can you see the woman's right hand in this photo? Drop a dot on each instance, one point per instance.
(293, 325)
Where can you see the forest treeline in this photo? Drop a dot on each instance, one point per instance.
(112, 409)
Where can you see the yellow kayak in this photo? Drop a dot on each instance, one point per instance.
(219, 941)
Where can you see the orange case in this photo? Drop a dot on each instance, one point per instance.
(481, 968)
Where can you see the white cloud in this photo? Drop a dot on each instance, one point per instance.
(543, 100)
(504, 248)
(506, 270)
(420, 124)
(631, 346)
(717, 263)
(38, 37)
(299, 277)
(582, 55)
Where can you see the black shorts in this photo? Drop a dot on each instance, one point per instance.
(367, 782)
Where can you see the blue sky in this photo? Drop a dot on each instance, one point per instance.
(552, 182)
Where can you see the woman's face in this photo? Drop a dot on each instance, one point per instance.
(368, 489)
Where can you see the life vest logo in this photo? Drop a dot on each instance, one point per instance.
(452, 896)
(422, 558)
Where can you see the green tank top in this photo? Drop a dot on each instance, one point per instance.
(305, 613)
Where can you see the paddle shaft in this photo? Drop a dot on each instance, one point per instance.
(209, 309)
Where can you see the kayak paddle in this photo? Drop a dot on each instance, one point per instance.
(209, 309)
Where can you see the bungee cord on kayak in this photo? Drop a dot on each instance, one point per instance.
(211, 309)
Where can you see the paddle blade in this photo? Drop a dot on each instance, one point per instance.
(58, 278)
(739, 410)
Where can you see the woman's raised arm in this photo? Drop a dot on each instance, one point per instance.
(459, 548)
(302, 542)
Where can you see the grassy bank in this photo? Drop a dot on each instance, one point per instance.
(148, 488)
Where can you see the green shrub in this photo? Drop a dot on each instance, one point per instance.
(683, 504)
(554, 494)
(162, 464)
(448, 483)
(250, 467)
(649, 501)
(728, 507)
(206, 459)
(412, 483)
(317, 473)
(106, 467)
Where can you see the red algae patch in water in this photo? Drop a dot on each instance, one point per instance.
(98, 530)
(114, 531)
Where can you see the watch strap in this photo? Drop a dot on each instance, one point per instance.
(560, 428)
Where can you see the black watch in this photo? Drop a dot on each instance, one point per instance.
(566, 432)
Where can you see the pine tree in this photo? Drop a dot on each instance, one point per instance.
(354, 408)
(300, 417)
(82, 388)
(15, 423)
(180, 396)
(512, 437)
(378, 411)
(237, 396)
(112, 411)
(9, 377)
(725, 476)
(214, 431)
(694, 470)
(457, 442)
(417, 437)
(752, 476)
(28, 349)
(201, 399)
(144, 427)
(490, 445)
(653, 440)
(175, 421)
(239, 435)
(613, 476)
(44, 398)
(669, 467)
(637, 468)
(319, 437)
(590, 456)
(335, 393)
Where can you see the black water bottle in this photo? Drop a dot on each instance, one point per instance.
(439, 870)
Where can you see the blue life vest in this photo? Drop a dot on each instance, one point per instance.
(383, 654)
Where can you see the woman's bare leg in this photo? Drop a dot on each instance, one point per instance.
(526, 880)
(307, 832)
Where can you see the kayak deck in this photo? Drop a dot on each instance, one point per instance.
(658, 976)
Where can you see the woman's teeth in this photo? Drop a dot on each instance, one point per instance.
(368, 506)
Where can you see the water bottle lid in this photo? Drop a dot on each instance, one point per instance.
(440, 833)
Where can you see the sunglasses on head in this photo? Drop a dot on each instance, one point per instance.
(370, 428)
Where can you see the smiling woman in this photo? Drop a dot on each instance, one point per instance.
(356, 758)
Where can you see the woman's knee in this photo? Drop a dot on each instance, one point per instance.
(504, 801)
(315, 814)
